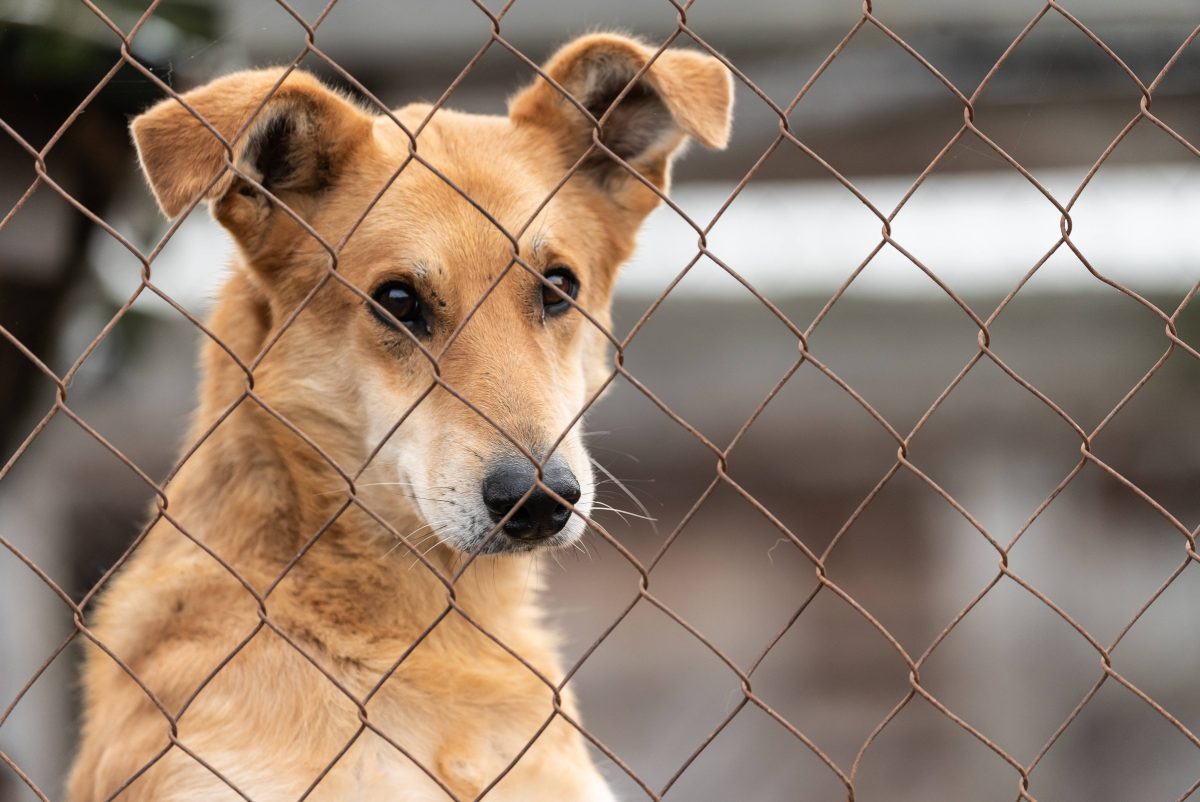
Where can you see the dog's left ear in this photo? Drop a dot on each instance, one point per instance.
(683, 94)
(291, 135)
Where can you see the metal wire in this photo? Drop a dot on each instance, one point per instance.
(786, 137)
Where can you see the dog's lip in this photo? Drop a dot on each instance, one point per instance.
(503, 543)
(506, 544)
(516, 545)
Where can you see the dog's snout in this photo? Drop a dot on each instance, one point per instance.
(541, 514)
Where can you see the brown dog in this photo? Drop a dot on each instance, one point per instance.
(281, 713)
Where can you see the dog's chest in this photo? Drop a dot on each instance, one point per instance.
(463, 751)
(375, 770)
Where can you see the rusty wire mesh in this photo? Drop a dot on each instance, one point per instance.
(1107, 668)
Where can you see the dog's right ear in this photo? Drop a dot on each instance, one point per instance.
(293, 141)
(653, 103)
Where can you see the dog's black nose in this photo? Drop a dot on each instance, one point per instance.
(540, 515)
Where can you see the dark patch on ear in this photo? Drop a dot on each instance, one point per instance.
(271, 151)
(635, 125)
(290, 153)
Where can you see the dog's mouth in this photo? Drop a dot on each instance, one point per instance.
(491, 542)
(480, 535)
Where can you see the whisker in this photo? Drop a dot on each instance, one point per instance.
(384, 484)
(437, 542)
(616, 451)
(600, 505)
(404, 484)
(636, 501)
(436, 528)
(402, 541)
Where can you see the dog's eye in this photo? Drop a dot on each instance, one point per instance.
(402, 302)
(561, 282)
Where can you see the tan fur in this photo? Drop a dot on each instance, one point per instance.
(255, 492)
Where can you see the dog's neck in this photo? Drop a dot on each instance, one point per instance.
(253, 460)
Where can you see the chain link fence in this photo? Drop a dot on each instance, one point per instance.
(641, 589)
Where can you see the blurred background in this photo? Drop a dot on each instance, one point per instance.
(1012, 668)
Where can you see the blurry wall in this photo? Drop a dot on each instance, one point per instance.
(712, 352)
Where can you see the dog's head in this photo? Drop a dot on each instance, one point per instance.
(465, 329)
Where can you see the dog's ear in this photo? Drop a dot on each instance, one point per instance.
(293, 141)
(683, 94)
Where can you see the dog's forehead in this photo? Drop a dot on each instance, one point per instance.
(468, 161)
(479, 184)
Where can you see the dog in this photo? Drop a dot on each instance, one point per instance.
(290, 628)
